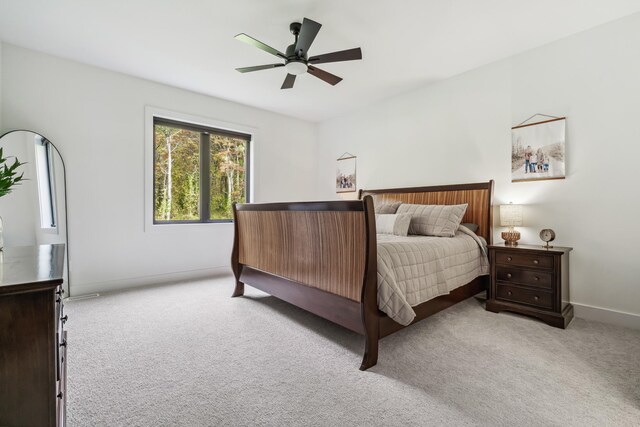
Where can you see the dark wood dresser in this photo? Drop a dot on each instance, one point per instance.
(531, 280)
(32, 336)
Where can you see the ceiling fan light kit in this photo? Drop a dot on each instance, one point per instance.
(296, 67)
(296, 60)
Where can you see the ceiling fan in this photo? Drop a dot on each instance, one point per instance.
(296, 59)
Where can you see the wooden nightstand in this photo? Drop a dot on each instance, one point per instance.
(531, 280)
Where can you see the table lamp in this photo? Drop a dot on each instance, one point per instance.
(511, 216)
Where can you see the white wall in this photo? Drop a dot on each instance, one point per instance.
(96, 119)
(458, 130)
(19, 209)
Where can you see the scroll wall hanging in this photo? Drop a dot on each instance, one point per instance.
(538, 149)
(346, 173)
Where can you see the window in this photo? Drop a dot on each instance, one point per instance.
(45, 178)
(198, 172)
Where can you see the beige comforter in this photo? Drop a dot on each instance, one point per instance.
(415, 269)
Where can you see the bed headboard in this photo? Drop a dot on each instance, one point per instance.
(479, 196)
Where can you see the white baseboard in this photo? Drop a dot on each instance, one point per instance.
(137, 282)
(605, 315)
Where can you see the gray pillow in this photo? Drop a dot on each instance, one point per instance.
(397, 224)
(471, 226)
(387, 208)
(434, 220)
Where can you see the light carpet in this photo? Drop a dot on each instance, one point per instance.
(189, 355)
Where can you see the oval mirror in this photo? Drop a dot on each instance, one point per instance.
(35, 210)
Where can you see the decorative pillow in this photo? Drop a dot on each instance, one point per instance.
(434, 220)
(471, 226)
(387, 208)
(397, 224)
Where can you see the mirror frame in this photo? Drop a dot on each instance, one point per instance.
(66, 203)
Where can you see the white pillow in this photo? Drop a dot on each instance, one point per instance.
(434, 220)
(393, 224)
(387, 208)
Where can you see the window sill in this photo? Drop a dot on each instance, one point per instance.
(185, 227)
(216, 221)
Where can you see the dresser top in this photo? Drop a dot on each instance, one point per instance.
(31, 265)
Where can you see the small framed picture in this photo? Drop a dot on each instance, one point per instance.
(537, 150)
(346, 174)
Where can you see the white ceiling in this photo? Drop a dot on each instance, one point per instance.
(190, 44)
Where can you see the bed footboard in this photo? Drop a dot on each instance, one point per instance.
(320, 256)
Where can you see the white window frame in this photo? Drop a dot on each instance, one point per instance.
(150, 113)
(46, 185)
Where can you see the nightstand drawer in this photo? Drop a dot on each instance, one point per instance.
(524, 260)
(524, 296)
(538, 279)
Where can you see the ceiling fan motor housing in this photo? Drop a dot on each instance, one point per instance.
(292, 54)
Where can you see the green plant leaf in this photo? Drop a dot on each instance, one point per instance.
(9, 177)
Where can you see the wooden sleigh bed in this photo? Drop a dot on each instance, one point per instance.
(322, 256)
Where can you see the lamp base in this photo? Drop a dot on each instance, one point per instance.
(511, 238)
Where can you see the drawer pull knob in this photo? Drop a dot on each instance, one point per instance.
(536, 278)
(63, 343)
(508, 275)
(65, 318)
(60, 292)
(60, 395)
(535, 261)
(508, 258)
(509, 292)
(536, 298)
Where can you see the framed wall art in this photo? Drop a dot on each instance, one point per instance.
(538, 150)
(346, 173)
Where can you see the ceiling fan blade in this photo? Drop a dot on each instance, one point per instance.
(343, 55)
(308, 33)
(288, 81)
(323, 75)
(257, 43)
(258, 68)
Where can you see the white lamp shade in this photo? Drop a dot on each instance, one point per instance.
(510, 215)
